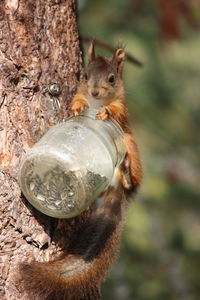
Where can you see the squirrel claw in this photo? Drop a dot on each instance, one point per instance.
(104, 113)
(77, 109)
(75, 113)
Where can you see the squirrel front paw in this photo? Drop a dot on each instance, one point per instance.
(79, 106)
(104, 113)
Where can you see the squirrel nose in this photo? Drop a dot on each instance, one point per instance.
(95, 93)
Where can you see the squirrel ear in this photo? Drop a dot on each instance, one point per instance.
(118, 58)
(91, 51)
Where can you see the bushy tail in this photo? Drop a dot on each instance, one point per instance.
(79, 273)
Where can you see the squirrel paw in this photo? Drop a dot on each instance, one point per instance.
(104, 113)
(130, 178)
(125, 174)
(78, 107)
(126, 181)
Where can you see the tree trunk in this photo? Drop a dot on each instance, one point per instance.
(40, 62)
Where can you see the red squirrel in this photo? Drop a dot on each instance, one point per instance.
(102, 87)
(93, 248)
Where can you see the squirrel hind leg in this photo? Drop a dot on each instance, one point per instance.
(124, 173)
(132, 160)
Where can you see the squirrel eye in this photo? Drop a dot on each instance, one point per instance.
(85, 75)
(111, 78)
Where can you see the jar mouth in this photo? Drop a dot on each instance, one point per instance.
(90, 112)
(115, 130)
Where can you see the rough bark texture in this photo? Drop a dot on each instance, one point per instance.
(39, 45)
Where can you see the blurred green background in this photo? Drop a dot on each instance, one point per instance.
(160, 252)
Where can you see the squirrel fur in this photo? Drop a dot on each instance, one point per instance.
(78, 274)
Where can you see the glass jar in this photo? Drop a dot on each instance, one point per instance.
(72, 164)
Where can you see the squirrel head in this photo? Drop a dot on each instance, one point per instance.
(104, 75)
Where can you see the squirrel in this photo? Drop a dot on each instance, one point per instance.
(102, 87)
(94, 247)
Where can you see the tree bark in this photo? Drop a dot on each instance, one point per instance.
(39, 46)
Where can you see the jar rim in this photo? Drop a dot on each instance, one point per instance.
(91, 113)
